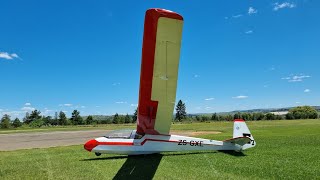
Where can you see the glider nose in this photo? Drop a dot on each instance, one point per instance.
(90, 144)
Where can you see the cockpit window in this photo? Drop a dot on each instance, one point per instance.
(120, 134)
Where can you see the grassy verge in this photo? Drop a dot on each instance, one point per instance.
(285, 150)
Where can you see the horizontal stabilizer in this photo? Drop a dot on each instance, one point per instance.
(239, 140)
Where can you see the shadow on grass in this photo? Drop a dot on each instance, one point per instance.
(145, 166)
(139, 167)
(233, 153)
(142, 156)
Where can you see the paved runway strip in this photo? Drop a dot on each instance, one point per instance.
(9, 142)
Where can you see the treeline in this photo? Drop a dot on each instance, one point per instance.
(300, 112)
(35, 119)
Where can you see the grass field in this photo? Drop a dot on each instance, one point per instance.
(285, 150)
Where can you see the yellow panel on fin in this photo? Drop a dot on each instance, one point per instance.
(165, 72)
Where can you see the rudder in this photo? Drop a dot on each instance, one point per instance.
(240, 129)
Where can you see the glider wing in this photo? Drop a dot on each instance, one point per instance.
(159, 71)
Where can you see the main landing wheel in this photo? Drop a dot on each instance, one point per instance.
(97, 154)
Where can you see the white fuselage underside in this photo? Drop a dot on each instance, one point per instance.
(150, 144)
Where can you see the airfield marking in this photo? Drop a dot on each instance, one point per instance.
(30, 140)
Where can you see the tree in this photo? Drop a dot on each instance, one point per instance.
(270, 116)
(214, 117)
(304, 112)
(47, 120)
(237, 115)
(180, 111)
(121, 119)
(89, 120)
(76, 119)
(62, 119)
(56, 117)
(204, 118)
(5, 122)
(135, 116)
(289, 116)
(127, 119)
(16, 123)
(26, 119)
(115, 119)
(35, 115)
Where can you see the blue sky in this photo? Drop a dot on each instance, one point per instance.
(85, 55)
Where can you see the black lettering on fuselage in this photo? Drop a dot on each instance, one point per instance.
(191, 143)
(195, 143)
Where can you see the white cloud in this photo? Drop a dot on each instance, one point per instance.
(240, 97)
(306, 90)
(134, 105)
(249, 32)
(208, 108)
(298, 102)
(251, 10)
(278, 6)
(116, 84)
(209, 99)
(14, 55)
(47, 111)
(296, 78)
(5, 55)
(83, 106)
(27, 104)
(13, 114)
(121, 102)
(237, 16)
(27, 108)
(67, 105)
(196, 76)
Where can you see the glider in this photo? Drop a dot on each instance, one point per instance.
(157, 96)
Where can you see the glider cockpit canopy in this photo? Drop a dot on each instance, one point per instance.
(121, 134)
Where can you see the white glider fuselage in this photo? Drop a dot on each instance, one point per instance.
(149, 144)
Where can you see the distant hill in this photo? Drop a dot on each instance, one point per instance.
(255, 111)
(105, 117)
(271, 110)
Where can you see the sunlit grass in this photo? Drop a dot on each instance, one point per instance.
(285, 150)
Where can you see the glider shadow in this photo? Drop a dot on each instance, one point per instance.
(142, 156)
(139, 167)
(233, 153)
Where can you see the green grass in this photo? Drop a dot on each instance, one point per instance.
(285, 150)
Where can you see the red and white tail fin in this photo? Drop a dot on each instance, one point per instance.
(240, 129)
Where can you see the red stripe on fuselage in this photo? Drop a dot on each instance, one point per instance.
(116, 143)
(131, 143)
